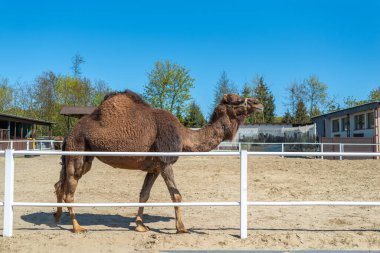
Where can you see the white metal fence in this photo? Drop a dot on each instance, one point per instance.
(9, 202)
(295, 147)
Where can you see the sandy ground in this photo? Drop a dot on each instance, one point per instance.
(202, 179)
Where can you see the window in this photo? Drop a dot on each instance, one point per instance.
(370, 120)
(359, 135)
(359, 122)
(345, 124)
(335, 125)
(336, 135)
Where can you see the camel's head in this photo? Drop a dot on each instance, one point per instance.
(238, 106)
(232, 111)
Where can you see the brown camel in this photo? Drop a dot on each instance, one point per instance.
(124, 122)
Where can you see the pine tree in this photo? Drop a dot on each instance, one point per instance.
(194, 117)
(247, 91)
(287, 119)
(223, 86)
(263, 94)
(301, 116)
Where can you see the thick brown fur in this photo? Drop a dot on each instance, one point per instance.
(125, 122)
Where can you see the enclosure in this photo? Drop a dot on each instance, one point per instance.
(203, 179)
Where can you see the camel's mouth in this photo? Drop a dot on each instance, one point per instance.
(259, 108)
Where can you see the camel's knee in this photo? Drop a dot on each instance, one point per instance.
(144, 196)
(177, 197)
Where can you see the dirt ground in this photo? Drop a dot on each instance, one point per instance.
(201, 179)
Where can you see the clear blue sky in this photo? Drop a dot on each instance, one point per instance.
(284, 41)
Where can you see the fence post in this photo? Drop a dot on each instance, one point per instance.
(282, 149)
(322, 150)
(243, 194)
(340, 150)
(8, 193)
(27, 145)
(11, 144)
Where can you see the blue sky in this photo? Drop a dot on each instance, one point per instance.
(284, 41)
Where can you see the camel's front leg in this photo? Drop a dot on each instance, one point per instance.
(167, 174)
(71, 185)
(144, 196)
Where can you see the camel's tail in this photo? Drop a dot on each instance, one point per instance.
(59, 186)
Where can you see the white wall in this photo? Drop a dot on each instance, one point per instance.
(366, 132)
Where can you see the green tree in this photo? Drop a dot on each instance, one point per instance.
(296, 92)
(45, 96)
(194, 117)
(247, 91)
(351, 102)
(374, 95)
(301, 116)
(6, 95)
(316, 95)
(287, 119)
(264, 95)
(168, 87)
(73, 91)
(223, 86)
(99, 89)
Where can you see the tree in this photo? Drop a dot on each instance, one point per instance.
(374, 95)
(247, 91)
(223, 86)
(287, 119)
(73, 91)
(316, 95)
(264, 95)
(297, 92)
(351, 102)
(77, 61)
(168, 87)
(45, 95)
(99, 89)
(194, 117)
(6, 93)
(301, 116)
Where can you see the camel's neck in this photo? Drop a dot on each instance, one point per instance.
(210, 136)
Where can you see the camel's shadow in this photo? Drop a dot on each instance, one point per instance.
(88, 219)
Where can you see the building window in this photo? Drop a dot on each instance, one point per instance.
(359, 135)
(359, 122)
(335, 125)
(370, 120)
(345, 123)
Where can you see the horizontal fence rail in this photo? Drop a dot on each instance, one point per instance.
(9, 202)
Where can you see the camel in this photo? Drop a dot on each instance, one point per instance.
(125, 122)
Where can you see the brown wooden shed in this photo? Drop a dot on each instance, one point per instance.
(14, 127)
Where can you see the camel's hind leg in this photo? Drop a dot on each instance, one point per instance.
(144, 196)
(167, 174)
(76, 167)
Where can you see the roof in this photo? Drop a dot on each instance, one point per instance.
(351, 110)
(76, 110)
(14, 118)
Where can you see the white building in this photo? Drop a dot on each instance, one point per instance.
(358, 121)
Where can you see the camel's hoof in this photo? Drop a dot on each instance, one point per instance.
(182, 231)
(57, 216)
(79, 230)
(142, 228)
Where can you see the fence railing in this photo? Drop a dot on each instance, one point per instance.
(299, 147)
(29, 144)
(9, 202)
